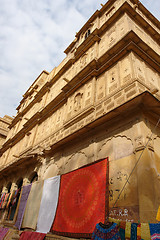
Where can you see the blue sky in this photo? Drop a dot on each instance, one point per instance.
(34, 35)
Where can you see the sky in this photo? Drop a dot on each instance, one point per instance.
(33, 37)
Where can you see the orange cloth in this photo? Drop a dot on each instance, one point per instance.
(82, 200)
(158, 215)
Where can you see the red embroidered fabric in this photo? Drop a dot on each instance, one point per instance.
(82, 200)
(32, 236)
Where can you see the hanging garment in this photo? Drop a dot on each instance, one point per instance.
(5, 200)
(154, 230)
(3, 232)
(102, 233)
(128, 230)
(2, 199)
(32, 236)
(138, 232)
(82, 200)
(9, 234)
(22, 205)
(122, 227)
(10, 199)
(145, 231)
(48, 205)
(158, 215)
(32, 206)
(134, 231)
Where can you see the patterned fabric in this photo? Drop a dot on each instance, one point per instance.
(101, 233)
(5, 200)
(9, 234)
(134, 231)
(122, 227)
(2, 199)
(82, 200)
(139, 232)
(128, 230)
(3, 232)
(32, 236)
(145, 231)
(155, 230)
(158, 215)
(10, 198)
(22, 205)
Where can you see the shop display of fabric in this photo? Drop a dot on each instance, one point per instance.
(3, 232)
(82, 200)
(22, 205)
(154, 230)
(145, 231)
(32, 236)
(139, 232)
(134, 231)
(158, 215)
(32, 206)
(48, 204)
(5, 200)
(2, 199)
(128, 230)
(16, 193)
(103, 232)
(9, 234)
(10, 199)
(122, 227)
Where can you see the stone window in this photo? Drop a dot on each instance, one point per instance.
(87, 34)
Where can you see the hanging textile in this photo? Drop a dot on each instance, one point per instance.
(32, 206)
(82, 200)
(3, 232)
(139, 232)
(48, 204)
(32, 236)
(155, 230)
(103, 233)
(5, 200)
(2, 199)
(134, 231)
(145, 231)
(128, 230)
(9, 234)
(22, 205)
(10, 199)
(122, 227)
(158, 215)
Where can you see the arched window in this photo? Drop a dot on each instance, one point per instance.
(87, 34)
(33, 177)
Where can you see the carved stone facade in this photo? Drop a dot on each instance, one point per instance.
(101, 101)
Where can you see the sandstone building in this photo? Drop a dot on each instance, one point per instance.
(101, 101)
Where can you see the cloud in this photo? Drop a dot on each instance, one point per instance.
(33, 36)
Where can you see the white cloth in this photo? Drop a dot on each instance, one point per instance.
(48, 205)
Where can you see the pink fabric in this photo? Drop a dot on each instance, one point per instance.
(3, 232)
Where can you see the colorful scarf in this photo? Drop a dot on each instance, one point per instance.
(101, 233)
(155, 230)
(3, 232)
(145, 231)
(82, 200)
(22, 205)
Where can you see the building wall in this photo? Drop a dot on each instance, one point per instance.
(91, 107)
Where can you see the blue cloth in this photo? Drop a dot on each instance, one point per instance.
(134, 231)
(155, 230)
